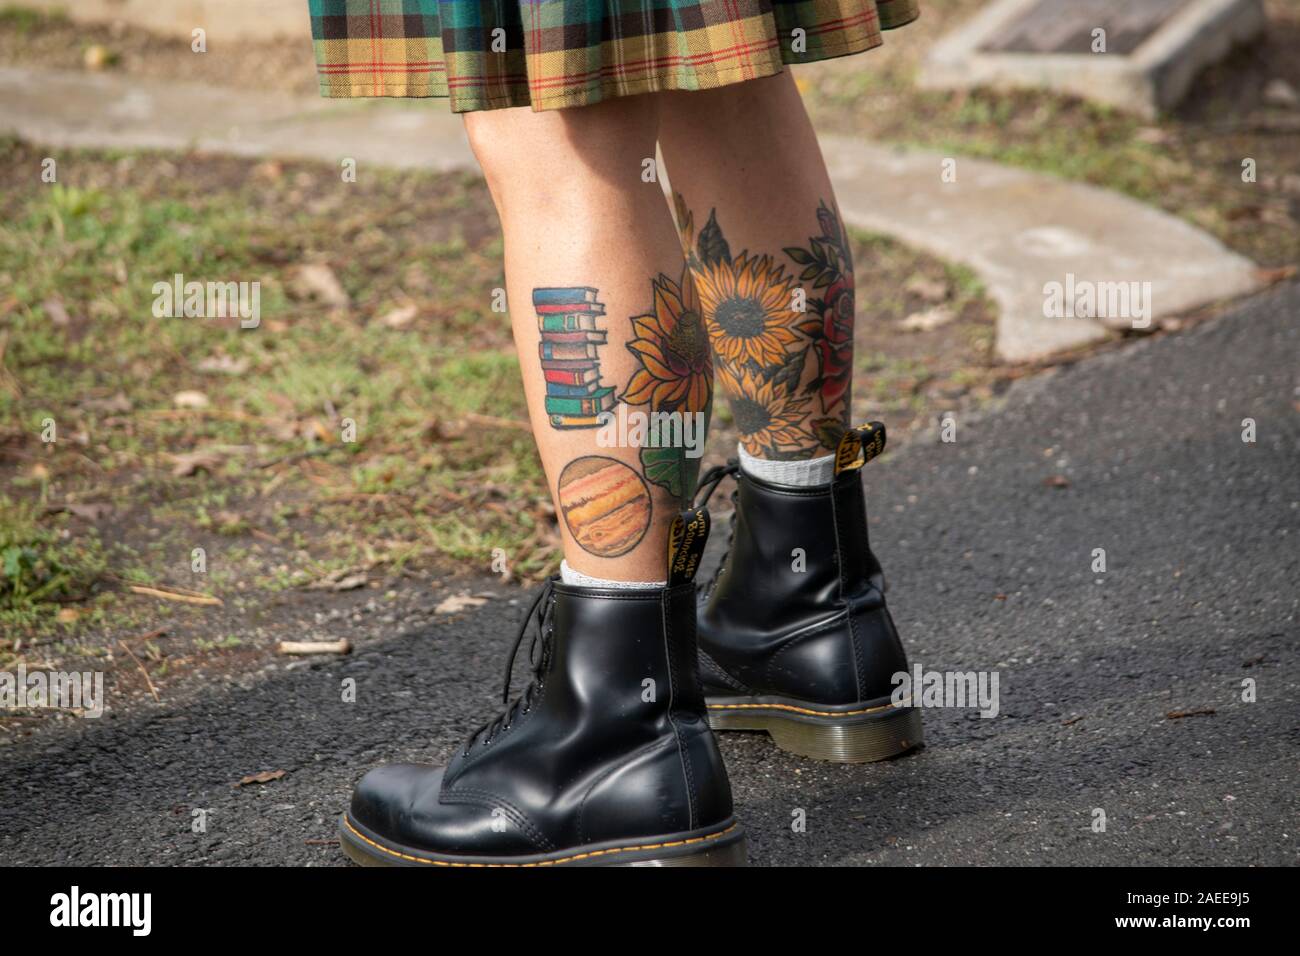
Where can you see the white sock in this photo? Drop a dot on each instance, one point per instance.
(578, 579)
(796, 474)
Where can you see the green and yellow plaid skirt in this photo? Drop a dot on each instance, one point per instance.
(548, 54)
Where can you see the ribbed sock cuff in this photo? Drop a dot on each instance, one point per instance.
(580, 580)
(796, 474)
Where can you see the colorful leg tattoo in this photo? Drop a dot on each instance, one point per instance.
(764, 324)
(566, 320)
(606, 505)
(674, 383)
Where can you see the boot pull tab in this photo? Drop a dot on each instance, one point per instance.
(686, 539)
(859, 445)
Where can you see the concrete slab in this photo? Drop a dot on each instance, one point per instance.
(1022, 231)
(1148, 67)
(71, 108)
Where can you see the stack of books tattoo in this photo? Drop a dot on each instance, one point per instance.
(567, 320)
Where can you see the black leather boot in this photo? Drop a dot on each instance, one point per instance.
(804, 647)
(605, 759)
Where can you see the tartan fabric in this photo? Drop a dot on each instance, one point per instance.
(549, 54)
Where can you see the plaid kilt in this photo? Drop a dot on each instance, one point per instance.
(549, 54)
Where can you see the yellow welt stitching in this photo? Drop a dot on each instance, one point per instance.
(566, 859)
(815, 713)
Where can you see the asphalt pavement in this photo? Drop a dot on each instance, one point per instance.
(1120, 691)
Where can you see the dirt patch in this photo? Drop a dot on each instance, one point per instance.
(33, 39)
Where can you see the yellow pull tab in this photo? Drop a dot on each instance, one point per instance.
(859, 445)
(686, 539)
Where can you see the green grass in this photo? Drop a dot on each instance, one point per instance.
(40, 565)
(26, 20)
(87, 253)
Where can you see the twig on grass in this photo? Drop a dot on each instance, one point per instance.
(196, 598)
(153, 690)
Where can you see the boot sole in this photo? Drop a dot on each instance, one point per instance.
(724, 846)
(853, 733)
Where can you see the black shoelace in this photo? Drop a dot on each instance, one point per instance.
(711, 479)
(539, 649)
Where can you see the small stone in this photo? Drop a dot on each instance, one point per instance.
(400, 317)
(190, 399)
(223, 364)
(928, 320)
(98, 57)
(1279, 92)
(271, 170)
(316, 280)
(56, 312)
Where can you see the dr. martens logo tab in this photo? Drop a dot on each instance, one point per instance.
(859, 445)
(686, 539)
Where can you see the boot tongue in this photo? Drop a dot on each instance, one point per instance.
(858, 446)
(686, 539)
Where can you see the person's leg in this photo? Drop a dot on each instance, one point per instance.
(584, 230)
(606, 755)
(773, 270)
(794, 632)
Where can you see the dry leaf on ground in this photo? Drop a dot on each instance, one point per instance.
(315, 280)
(266, 776)
(190, 399)
(458, 602)
(928, 320)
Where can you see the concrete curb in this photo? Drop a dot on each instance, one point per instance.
(1021, 230)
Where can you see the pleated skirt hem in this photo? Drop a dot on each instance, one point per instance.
(543, 85)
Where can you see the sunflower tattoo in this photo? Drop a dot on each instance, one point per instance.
(769, 418)
(676, 375)
(772, 359)
(748, 303)
(676, 371)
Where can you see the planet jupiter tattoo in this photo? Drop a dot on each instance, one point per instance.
(606, 505)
